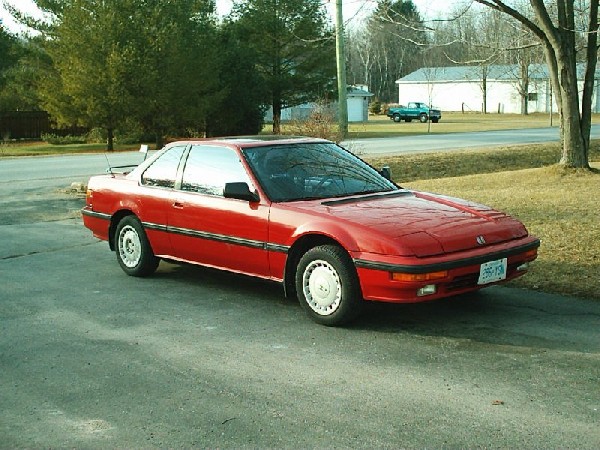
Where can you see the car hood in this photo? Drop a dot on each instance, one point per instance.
(428, 224)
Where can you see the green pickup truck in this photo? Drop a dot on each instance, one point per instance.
(414, 111)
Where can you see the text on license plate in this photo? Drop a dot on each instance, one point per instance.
(492, 271)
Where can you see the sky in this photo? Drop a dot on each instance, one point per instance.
(353, 9)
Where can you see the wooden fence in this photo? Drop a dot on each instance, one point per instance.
(32, 125)
(24, 124)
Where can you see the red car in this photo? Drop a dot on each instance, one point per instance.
(308, 214)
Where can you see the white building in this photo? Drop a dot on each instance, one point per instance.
(358, 107)
(358, 103)
(460, 88)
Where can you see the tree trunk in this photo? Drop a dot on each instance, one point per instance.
(160, 140)
(110, 146)
(524, 88)
(574, 149)
(524, 104)
(590, 76)
(276, 117)
(563, 68)
(561, 56)
(484, 91)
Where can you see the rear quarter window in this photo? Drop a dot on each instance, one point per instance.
(163, 171)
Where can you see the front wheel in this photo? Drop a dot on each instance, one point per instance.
(423, 117)
(327, 285)
(133, 250)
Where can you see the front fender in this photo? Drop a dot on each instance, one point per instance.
(335, 232)
(354, 238)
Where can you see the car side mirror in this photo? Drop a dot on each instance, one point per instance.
(386, 173)
(240, 191)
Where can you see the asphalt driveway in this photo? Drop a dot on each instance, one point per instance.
(190, 357)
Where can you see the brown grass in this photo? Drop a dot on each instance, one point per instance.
(452, 122)
(467, 162)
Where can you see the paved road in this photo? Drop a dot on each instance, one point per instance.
(452, 141)
(91, 358)
(58, 171)
(63, 168)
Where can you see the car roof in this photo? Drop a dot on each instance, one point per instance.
(252, 141)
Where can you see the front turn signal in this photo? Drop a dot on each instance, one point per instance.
(417, 277)
(89, 195)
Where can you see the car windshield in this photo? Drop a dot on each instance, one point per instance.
(312, 171)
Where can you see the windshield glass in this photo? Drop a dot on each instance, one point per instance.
(313, 170)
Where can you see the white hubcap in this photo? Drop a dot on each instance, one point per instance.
(130, 247)
(322, 287)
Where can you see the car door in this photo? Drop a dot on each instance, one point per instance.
(155, 197)
(207, 228)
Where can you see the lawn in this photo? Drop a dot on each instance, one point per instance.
(452, 122)
(38, 148)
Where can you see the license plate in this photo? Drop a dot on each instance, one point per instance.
(492, 271)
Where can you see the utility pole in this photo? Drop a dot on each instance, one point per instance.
(341, 70)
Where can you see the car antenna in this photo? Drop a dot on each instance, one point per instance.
(108, 169)
(144, 149)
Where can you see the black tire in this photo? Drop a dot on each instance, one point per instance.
(327, 286)
(133, 250)
(396, 118)
(423, 117)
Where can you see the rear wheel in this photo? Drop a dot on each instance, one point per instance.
(423, 117)
(327, 285)
(133, 250)
(396, 118)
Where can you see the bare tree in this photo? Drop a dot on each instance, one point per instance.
(561, 27)
(360, 57)
(386, 47)
(525, 52)
(484, 45)
(431, 74)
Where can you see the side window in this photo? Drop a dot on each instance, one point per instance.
(163, 171)
(207, 169)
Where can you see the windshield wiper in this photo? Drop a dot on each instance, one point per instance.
(368, 196)
(372, 191)
(351, 195)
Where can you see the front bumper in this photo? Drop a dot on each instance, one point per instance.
(462, 271)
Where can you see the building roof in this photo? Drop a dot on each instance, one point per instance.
(355, 91)
(497, 72)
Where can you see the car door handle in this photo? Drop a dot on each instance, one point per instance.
(178, 205)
